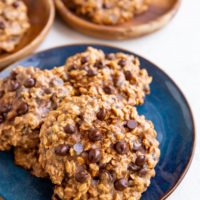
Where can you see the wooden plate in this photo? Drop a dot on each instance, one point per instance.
(158, 15)
(41, 15)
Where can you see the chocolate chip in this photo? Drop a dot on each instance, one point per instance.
(94, 155)
(14, 85)
(22, 108)
(133, 167)
(1, 93)
(99, 65)
(2, 25)
(140, 160)
(84, 60)
(91, 73)
(1, 119)
(101, 115)
(107, 90)
(47, 91)
(70, 129)
(122, 62)
(121, 184)
(15, 4)
(5, 109)
(62, 150)
(71, 68)
(132, 124)
(143, 172)
(94, 135)
(81, 176)
(121, 147)
(29, 83)
(128, 75)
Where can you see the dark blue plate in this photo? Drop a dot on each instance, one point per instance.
(165, 106)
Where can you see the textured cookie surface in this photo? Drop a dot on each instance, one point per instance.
(26, 97)
(14, 23)
(108, 12)
(96, 148)
(96, 74)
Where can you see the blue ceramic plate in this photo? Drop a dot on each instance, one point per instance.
(165, 106)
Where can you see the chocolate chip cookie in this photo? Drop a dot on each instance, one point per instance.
(95, 73)
(108, 12)
(98, 148)
(14, 23)
(26, 97)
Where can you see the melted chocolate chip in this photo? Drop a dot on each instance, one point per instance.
(133, 167)
(81, 176)
(55, 197)
(1, 93)
(122, 62)
(47, 91)
(121, 147)
(132, 124)
(84, 60)
(22, 108)
(107, 90)
(121, 184)
(128, 75)
(94, 155)
(62, 150)
(15, 4)
(70, 129)
(99, 65)
(91, 73)
(29, 83)
(101, 115)
(140, 160)
(1, 119)
(71, 68)
(14, 85)
(94, 135)
(2, 25)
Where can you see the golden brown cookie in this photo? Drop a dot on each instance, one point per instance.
(95, 73)
(26, 97)
(14, 23)
(108, 12)
(98, 148)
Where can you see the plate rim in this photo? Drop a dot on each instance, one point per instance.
(193, 147)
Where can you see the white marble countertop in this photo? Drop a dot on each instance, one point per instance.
(176, 49)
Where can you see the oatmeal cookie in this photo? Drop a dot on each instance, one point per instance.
(26, 97)
(108, 12)
(98, 148)
(14, 23)
(28, 159)
(94, 73)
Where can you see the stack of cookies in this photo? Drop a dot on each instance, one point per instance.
(77, 125)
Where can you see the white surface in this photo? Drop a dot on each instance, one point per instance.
(176, 49)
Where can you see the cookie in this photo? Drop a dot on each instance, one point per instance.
(14, 23)
(28, 159)
(26, 97)
(95, 73)
(98, 148)
(108, 12)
